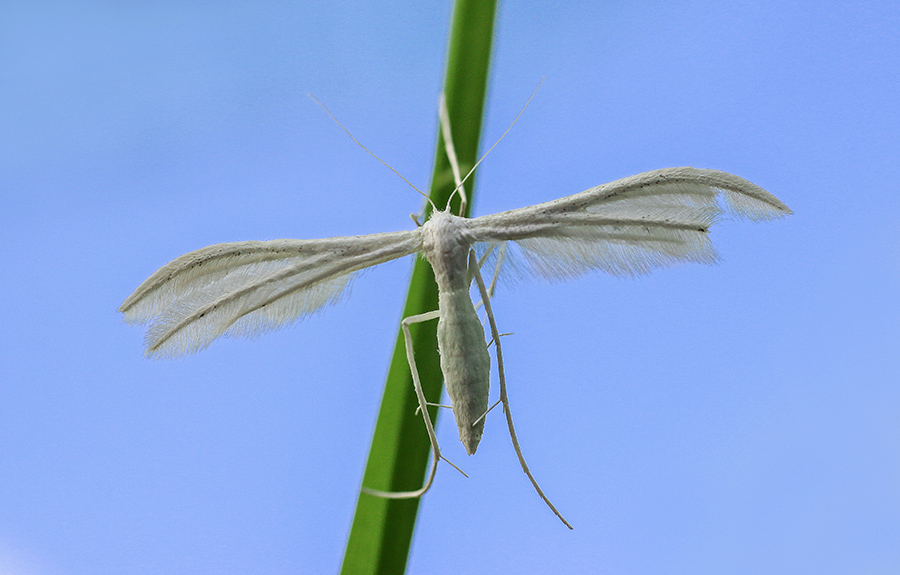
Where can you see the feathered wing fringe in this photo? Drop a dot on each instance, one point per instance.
(247, 288)
(626, 227)
(629, 226)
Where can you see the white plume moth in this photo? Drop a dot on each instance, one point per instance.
(628, 226)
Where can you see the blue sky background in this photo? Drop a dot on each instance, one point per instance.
(740, 418)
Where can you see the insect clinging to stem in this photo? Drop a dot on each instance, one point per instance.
(625, 227)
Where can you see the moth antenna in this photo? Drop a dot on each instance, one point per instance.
(516, 119)
(346, 131)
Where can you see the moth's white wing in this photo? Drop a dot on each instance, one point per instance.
(629, 226)
(246, 288)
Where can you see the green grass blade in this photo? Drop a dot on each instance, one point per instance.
(382, 529)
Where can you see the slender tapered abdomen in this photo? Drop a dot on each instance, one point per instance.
(465, 363)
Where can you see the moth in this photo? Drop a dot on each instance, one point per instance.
(626, 227)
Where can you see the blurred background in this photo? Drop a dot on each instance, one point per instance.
(739, 418)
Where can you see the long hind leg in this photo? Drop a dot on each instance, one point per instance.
(423, 407)
(495, 334)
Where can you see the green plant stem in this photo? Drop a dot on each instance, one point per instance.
(382, 529)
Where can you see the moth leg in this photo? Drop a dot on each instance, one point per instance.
(500, 256)
(423, 407)
(473, 263)
(490, 343)
(418, 409)
(444, 117)
(483, 415)
(490, 290)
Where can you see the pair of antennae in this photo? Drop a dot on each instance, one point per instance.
(451, 152)
(444, 117)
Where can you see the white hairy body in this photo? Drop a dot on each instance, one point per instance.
(628, 226)
(465, 361)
